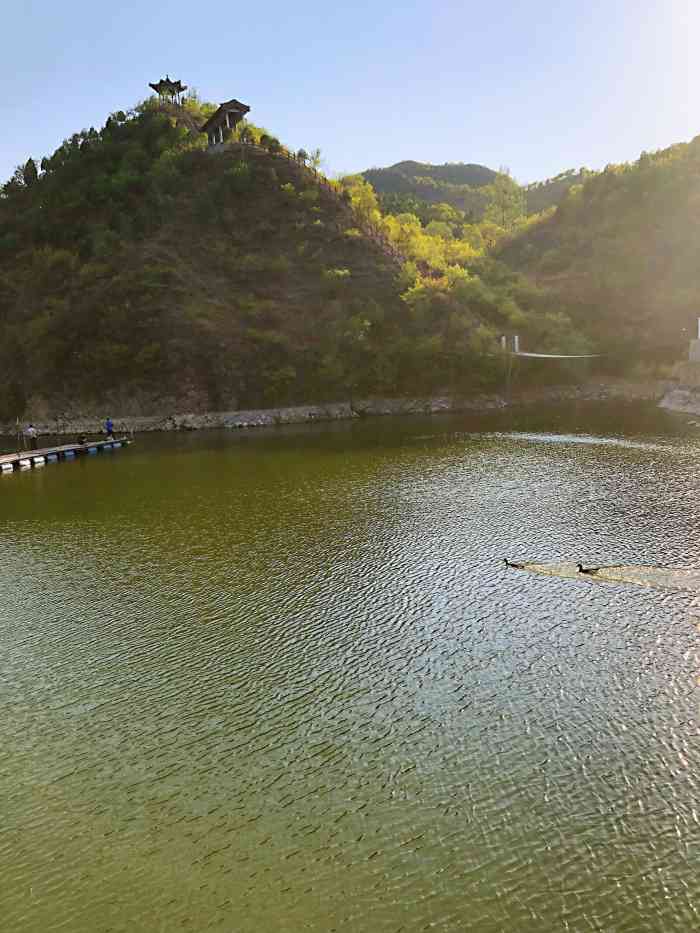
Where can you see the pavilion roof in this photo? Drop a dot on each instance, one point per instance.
(167, 86)
(229, 106)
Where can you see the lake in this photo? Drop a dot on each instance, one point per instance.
(282, 681)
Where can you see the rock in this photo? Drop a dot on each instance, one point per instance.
(684, 398)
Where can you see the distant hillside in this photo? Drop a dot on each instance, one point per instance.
(461, 186)
(386, 180)
(541, 195)
(456, 183)
(622, 252)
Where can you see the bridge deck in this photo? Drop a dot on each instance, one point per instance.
(59, 451)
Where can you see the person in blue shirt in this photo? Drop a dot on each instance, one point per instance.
(109, 429)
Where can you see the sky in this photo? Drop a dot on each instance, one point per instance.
(537, 87)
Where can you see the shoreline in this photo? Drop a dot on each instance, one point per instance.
(658, 391)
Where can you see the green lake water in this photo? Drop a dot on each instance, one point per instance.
(282, 681)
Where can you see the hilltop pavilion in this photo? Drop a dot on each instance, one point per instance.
(167, 89)
(227, 117)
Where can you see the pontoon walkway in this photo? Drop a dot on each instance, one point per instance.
(26, 459)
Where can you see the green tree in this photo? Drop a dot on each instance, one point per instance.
(29, 173)
(439, 228)
(506, 201)
(244, 132)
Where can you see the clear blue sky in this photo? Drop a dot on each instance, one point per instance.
(536, 86)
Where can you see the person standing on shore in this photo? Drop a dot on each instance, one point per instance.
(33, 436)
(109, 429)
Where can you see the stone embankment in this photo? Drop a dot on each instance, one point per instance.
(685, 399)
(78, 423)
(683, 394)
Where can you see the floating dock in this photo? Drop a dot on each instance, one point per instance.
(27, 459)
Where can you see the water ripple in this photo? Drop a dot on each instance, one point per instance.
(288, 684)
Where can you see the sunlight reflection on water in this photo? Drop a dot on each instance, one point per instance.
(286, 683)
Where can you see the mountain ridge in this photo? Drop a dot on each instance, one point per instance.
(461, 184)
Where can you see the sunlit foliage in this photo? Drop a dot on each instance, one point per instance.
(620, 252)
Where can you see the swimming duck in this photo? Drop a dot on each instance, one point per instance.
(589, 570)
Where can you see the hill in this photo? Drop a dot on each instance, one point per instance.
(392, 180)
(463, 186)
(143, 272)
(137, 269)
(455, 183)
(621, 252)
(542, 195)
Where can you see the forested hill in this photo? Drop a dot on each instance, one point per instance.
(139, 271)
(454, 183)
(400, 177)
(138, 268)
(541, 195)
(461, 185)
(622, 251)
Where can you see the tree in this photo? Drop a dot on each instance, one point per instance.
(244, 133)
(506, 201)
(363, 199)
(303, 156)
(439, 228)
(29, 173)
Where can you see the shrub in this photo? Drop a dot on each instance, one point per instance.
(238, 177)
(335, 281)
(309, 197)
(289, 192)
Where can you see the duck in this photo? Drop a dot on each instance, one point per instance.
(512, 563)
(589, 570)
